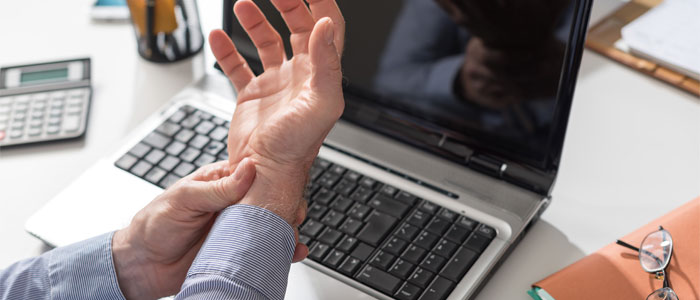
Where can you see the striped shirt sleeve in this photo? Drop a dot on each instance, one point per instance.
(247, 255)
(79, 271)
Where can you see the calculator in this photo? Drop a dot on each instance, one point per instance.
(44, 102)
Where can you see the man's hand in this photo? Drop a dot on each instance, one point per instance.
(152, 255)
(283, 115)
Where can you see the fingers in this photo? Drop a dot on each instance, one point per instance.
(299, 21)
(215, 195)
(264, 36)
(300, 253)
(326, 77)
(330, 9)
(231, 62)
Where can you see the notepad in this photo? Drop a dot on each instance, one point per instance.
(669, 35)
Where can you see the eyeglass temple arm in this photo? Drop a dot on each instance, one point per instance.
(626, 245)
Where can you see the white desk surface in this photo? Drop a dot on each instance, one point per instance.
(632, 150)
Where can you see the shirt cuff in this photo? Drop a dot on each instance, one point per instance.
(250, 245)
(84, 269)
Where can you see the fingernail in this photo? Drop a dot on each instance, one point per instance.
(329, 32)
(239, 169)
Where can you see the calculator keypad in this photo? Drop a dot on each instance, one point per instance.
(43, 116)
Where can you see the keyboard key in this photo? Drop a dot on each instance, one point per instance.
(341, 204)
(126, 161)
(168, 128)
(184, 169)
(311, 228)
(447, 214)
(421, 277)
(359, 211)
(175, 148)
(401, 268)
(190, 122)
(352, 176)
(319, 251)
(429, 207)
(406, 198)
(477, 242)
(438, 290)
(205, 127)
(199, 141)
(139, 150)
(204, 159)
(388, 205)
(219, 134)
(362, 251)
(333, 218)
(157, 140)
(190, 154)
(169, 180)
(330, 236)
(362, 194)
(324, 196)
(379, 279)
(334, 259)
(438, 226)
(338, 170)
(378, 226)
(445, 248)
(324, 164)
(419, 218)
(486, 231)
(305, 240)
(185, 135)
(316, 211)
(328, 180)
(433, 262)
(408, 292)
(214, 147)
(414, 254)
(347, 244)
(350, 266)
(154, 156)
(155, 175)
(383, 260)
(219, 121)
(344, 187)
(351, 226)
(203, 115)
(169, 163)
(407, 232)
(141, 168)
(457, 234)
(467, 223)
(368, 183)
(389, 190)
(178, 116)
(459, 264)
(395, 246)
(426, 240)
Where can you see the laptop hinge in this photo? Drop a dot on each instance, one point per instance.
(487, 164)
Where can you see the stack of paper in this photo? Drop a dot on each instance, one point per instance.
(668, 34)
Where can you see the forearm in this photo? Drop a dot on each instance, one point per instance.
(80, 271)
(247, 255)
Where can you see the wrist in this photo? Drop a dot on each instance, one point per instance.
(129, 267)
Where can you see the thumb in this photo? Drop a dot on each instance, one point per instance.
(326, 75)
(225, 191)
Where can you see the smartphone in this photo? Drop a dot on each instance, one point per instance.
(110, 10)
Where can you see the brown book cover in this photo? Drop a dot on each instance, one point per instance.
(614, 272)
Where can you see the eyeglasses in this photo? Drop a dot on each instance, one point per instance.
(654, 255)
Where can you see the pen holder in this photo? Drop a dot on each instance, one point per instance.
(166, 30)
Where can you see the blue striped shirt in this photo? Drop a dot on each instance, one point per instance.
(247, 255)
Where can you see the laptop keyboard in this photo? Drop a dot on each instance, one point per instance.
(398, 244)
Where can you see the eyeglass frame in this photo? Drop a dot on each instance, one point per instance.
(662, 270)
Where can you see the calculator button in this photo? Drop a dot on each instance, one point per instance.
(56, 112)
(76, 94)
(75, 102)
(71, 124)
(40, 96)
(34, 132)
(15, 134)
(3, 126)
(37, 114)
(54, 121)
(5, 101)
(4, 109)
(58, 95)
(73, 110)
(52, 129)
(21, 108)
(22, 99)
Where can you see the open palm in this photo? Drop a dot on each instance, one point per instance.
(283, 115)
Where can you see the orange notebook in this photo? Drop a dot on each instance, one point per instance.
(614, 272)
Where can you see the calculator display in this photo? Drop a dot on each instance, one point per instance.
(44, 76)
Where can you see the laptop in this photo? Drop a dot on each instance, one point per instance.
(446, 154)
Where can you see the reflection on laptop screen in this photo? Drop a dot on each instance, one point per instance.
(480, 73)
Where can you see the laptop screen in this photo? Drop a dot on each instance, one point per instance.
(457, 77)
